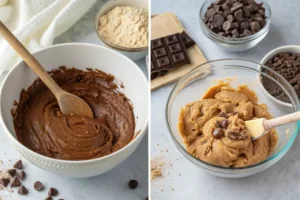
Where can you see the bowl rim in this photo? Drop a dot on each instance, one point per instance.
(111, 45)
(237, 40)
(270, 158)
(285, 48)
(49, 159)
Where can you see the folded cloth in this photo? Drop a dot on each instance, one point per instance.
(36, 23)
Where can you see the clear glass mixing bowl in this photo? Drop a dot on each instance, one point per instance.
(192, 87)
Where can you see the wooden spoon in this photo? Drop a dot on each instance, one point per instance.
(259, 127)
(68, 103)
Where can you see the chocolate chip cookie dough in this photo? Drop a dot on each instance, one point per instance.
(41, 126)
(213, 128)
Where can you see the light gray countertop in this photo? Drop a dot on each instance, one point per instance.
(184, 180)
(112, 185)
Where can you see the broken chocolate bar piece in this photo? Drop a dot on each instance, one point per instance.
(168, 53)
(187, 40)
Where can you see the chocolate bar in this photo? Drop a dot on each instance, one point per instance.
(168, 53)
(187, 40)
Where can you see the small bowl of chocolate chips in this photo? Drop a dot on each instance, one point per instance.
(285, 61)
(235, 25)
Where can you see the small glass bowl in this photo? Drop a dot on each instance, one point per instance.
(192, 87)
(132, 53)
(236, 44)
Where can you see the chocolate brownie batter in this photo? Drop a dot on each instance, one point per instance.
(41, 126)
(214, 131)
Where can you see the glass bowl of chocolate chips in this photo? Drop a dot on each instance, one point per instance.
(235, 25)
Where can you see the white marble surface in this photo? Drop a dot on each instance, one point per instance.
(281, 181)
(109, 186)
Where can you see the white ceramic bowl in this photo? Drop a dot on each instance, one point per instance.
(81, 56)
(288, 48)
(132, 53)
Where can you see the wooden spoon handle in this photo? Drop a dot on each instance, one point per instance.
(272, 123)
(29, 59)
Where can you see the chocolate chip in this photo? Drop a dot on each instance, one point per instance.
(262, 12)
(18, 164)
(218, 133)
(223, 114)
(235, 113)
(225, 123)
(218, 20)
(16, 182)
(247, 33)
(234, 25)
(223, 34)
(226, 26)
(21, 175)
(133, 184)
(239, 15)
(4, 181)
(254, 7)
(38, 186)
(49, 198)
(52, 192)
(238, 136)
(225, 6)
(211, 13)
(255, 26)
(236, 6)
(12, 172)
(244, 26)
(22, 190)
(247, 11)
(235, 33)
(230, 18)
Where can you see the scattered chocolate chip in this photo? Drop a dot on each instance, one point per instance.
(12, 172)
(4, 181)
(16, 182)
(21, 175)
(38, 186)
(52, 192)
(133, 184)
(218, 133)
(49, 198)
(223, 114)
(18, 164)
(22, 190)
(225, 123)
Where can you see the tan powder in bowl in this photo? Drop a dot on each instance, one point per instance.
(125, 26)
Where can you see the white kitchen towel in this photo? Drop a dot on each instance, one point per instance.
(36, 23)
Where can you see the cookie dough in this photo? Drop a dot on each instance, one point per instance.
(40, 125)
(125, 26)
(213, 128)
